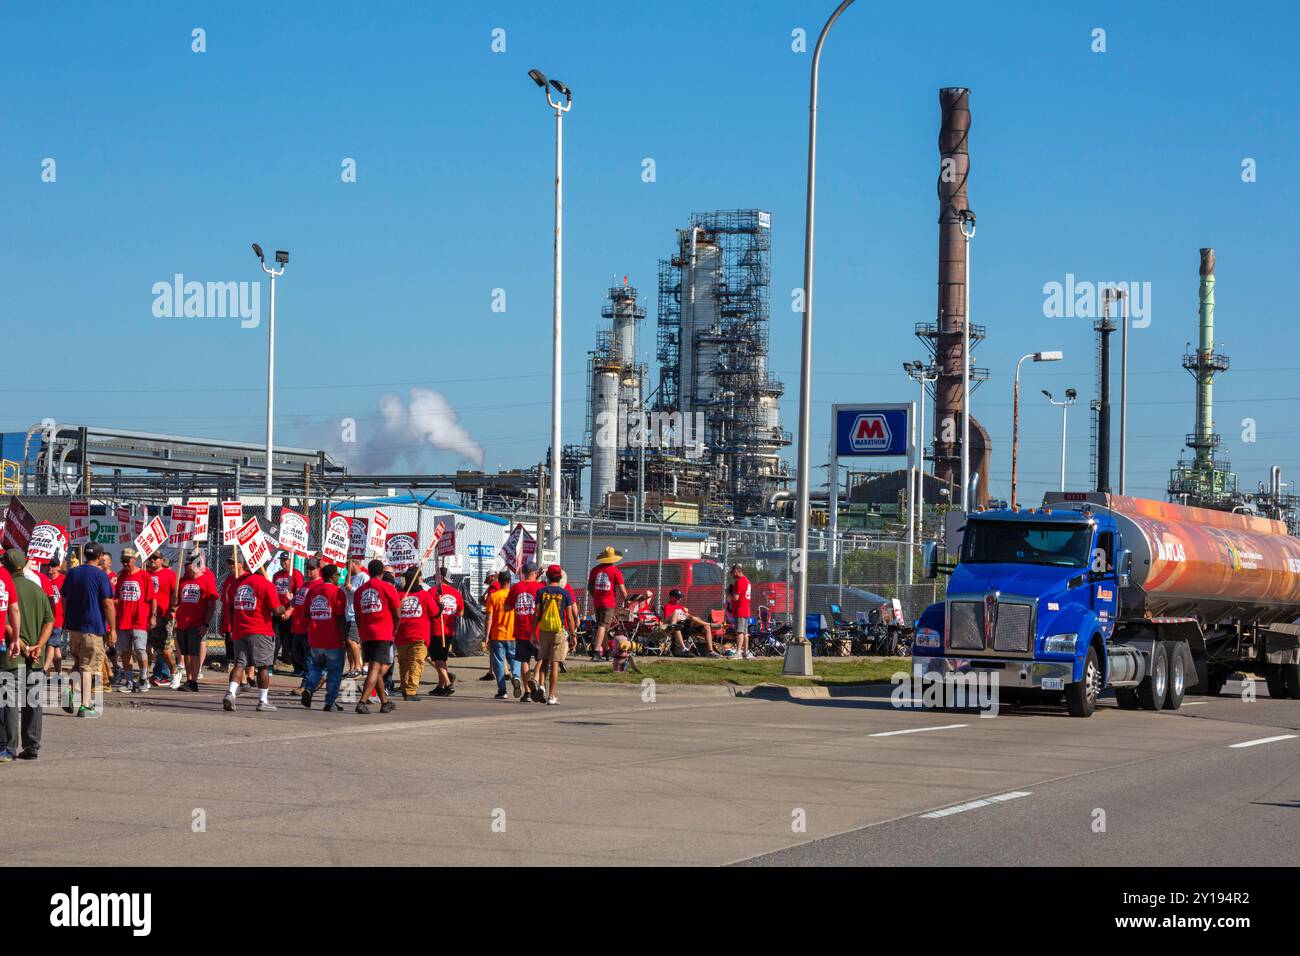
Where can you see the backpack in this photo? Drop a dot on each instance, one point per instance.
(551, 620)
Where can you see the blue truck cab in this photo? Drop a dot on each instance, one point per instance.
(1035, 600)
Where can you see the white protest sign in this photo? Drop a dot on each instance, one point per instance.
(48, 541)
(338, 532)
(253, 544)
(151, 538)
(377, 539)
(232, 516)
(183, 522)
(79, 521)
(293, 531)
(201, 507)
(357, 538)
(402, 550)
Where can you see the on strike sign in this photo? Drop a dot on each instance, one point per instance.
(253, 544)
(232, 516)
(183, 522)
(200, 506)
(48, 541)
(79, 521)
(402, 550)
(293, 531)
(377, 540)
(338, 532)
(124, 532)
(151, 538)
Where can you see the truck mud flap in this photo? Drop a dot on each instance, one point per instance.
(1282, 642)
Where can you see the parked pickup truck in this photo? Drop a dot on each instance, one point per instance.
(703, 584)
(1098, 590)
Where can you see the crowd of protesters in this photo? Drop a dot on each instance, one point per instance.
(145, 626)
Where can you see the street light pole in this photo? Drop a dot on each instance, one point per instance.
(798, 652)
(1015, 410)
(282, 259)
(560, 107)
(1070, 396)
(968, 233)
(918, 372)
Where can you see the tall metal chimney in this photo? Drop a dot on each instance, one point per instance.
(1206, 366)
(1104, 327)
(954, 168)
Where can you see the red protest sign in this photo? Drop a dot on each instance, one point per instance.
(338, 533)
(232, 516)
(79, 522)
(19, 525)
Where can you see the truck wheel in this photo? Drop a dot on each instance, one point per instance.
(1209, 680)
(1081, 696)
(1177, 676)
(1151, 692)
(1273, 678)
(1127, 698)
(1291, 680)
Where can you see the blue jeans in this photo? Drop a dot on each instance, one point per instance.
(503, 653)
(330, 662)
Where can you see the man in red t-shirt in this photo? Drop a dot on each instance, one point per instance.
(137, 614)
(162, 634)
(522, 599)
(254, 608)
(287, 580)
(327, 622)
(442, 632)
(58, 640)
(377, 609)
(420, 609)
(739, 593)
(298, 619)
(607, 590)
(197, 597)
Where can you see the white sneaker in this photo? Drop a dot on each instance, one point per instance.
(551, 701)
(178, 678)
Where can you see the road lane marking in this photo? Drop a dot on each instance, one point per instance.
(1262, 740)
(976, 804)
(917, 730)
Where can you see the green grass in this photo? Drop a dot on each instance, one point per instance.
(826, 672)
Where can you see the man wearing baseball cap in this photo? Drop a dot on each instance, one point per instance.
(522, 600)
(22, 671)
(137, 613)
(607, 590)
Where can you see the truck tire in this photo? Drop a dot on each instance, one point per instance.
(1127, 698)
(1151, 692)
(1081, 696)
(1273, 678)
(1177, 676)
(1209, 680)
(1291, 681)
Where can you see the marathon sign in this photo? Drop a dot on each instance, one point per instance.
(872, 431)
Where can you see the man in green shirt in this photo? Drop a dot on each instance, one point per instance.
(22, 678)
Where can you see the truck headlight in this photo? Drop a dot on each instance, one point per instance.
(927, 637)
(1060, 643)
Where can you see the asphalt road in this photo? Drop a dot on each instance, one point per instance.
(693, 776)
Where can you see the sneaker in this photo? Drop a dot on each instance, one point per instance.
(451, 688)
(306, 699)
(488, 676)
(500, 695)
(519, 688)
(6, 756)
(526, 699)
(563, 668)
(714, 654)
(69, 704)
(193, 685)
(87, 711)
(539, 695)
(596, 658)
(159, 682)
(406, 696)
(387, 707)
(363, 708)
(140, 687)
(336, 706)
(750, 655)
(178, 678)
(552, 701)
(228, 702)
(265, 706)
(28, 755)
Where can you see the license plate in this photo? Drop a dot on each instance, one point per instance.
(1053, 683)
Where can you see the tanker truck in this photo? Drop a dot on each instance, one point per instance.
(1097, 590)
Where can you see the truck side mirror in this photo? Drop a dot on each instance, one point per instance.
(1123, 567)
(930, 560)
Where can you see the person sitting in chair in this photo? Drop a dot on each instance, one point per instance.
(680, 623)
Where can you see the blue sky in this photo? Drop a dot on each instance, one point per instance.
(1110, 166)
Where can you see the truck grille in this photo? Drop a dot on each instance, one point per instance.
(966, 625)
(1012, 634)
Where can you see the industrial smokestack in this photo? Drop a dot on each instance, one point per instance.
(954, 168)
(1104, 328)
(1206, 367)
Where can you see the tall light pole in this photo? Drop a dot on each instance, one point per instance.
(798, 652)
(1070, 396)
(1015, 410)
(922, 374)
(560, 107)
(281, 259)
(967, 219)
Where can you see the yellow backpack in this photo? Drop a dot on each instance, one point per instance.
(551, 620)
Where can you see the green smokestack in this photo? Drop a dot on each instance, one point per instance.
(1206, 367)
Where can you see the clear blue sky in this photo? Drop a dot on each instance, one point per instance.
(1109, 166)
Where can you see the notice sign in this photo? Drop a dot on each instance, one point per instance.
(201, 507)
(357, 538)
(183, 521)
(79, 522)
(402, 550)
(338, 533)
(151, 538)
(49, 542)
(253, 544)
(232, 516)
(376, 540)
(293, 531)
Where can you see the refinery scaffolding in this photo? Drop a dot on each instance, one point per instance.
(714, 312)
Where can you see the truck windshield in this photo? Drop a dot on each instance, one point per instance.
(1020, 542)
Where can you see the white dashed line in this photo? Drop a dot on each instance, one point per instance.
(1263, 740)
(976, 804)
(918, 730)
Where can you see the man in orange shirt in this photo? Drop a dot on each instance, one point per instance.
(500, 629)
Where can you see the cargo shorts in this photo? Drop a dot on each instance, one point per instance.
(87, 650)
(255, 649)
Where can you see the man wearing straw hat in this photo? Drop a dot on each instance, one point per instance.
(607, 590)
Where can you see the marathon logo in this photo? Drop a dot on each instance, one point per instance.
(870, 433)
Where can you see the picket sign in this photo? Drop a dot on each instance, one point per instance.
(338, 534)
(232, 517)
(19, 524)
(201, 507)
(293, 531)
(184, 520)
(377, 539)
(79, 522)
(402, 550)
(252, 542)
(48, 542)
(124, 532)
(151, 538)
(357, 538)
